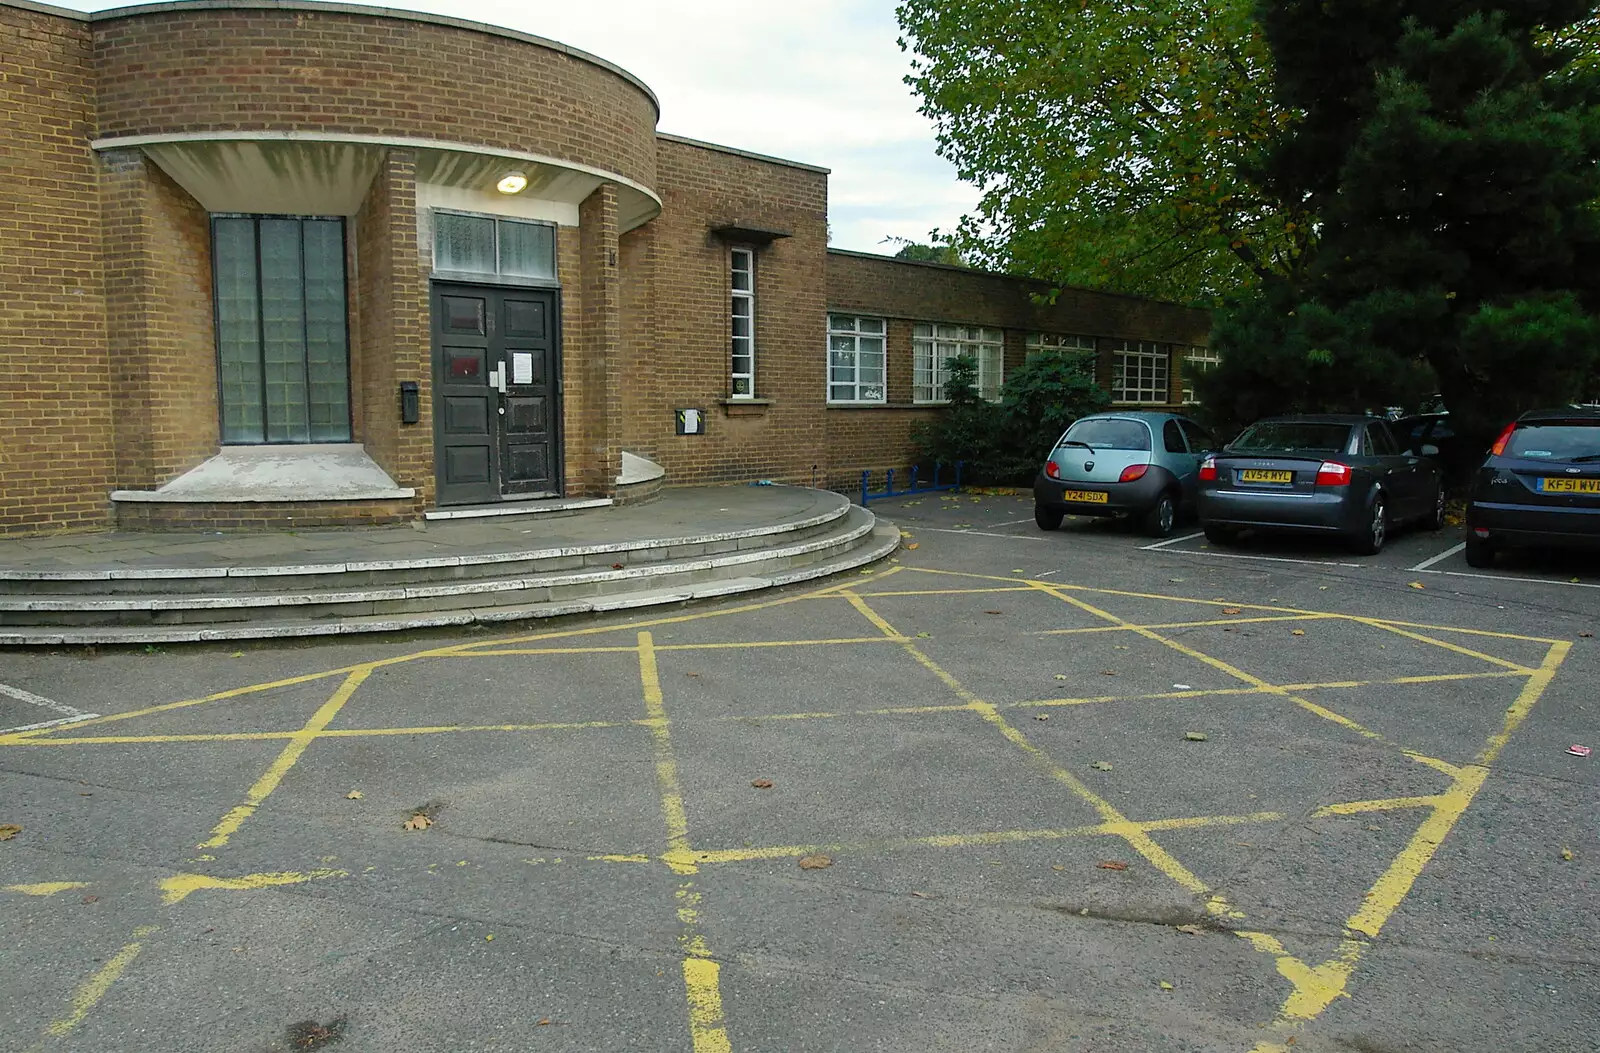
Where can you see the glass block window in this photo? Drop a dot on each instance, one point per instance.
(508, 248)
(933, 346)
(1139, 373)
(856, 359)
(742, 352)
(283, 353)
(1196, 360)
(1079, 350)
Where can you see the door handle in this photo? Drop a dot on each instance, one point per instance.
(497, 378)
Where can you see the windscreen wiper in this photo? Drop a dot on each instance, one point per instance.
(1075, 442)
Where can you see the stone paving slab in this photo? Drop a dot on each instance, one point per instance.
(683, 513)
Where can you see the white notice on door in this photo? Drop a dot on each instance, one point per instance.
(522, 367)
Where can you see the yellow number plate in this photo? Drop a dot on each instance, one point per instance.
(1570, 486)
(1088, 497)
(1257, 475)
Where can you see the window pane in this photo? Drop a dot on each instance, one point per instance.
(527, 250)
(326, 347)
(839, 322)
(238, 330)
(283, 332)
(871, 325)
(463, 243)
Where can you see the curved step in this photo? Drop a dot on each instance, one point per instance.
(879, 540)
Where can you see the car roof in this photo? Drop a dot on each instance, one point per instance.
(1319, 418)
(1118, 414)
(1561, 413)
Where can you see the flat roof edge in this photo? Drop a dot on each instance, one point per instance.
(135, 10)
(734, 150)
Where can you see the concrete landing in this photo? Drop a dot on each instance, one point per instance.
(266, 474)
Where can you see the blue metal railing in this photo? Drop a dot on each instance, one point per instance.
(868, 494)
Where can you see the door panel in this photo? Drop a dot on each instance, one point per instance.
(497, 402)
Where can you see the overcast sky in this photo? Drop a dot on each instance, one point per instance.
(817, 81)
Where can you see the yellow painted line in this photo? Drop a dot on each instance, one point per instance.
(1487, 633)
(721, 646)
(1430, 678)
(89, 993)
(1386, 804)
(944, 592)
(1192, 625)
(1211, 692)
(47, 888)
(542, 650)
(333, 733)
(177, 888)
(619, 859)
(1526, 700)
(702, 983)
(273, 776)
(672, 809)
(1446, 645)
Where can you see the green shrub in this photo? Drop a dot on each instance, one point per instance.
(1004, 442)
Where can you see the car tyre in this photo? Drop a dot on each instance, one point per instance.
(1435, 520)
(1046, 519)
(1371, 540)
(1480, 553)
(1221, 535)
(1159, 521)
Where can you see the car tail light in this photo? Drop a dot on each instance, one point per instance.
(1208, 470)
(1332, 473)
(1052, 469)
(1499, 447)
(1133, 472)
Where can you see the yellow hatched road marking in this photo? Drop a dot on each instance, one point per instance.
(89, 993)
(47, 888)
(1130, 627)
(179, 887)
(1457, 648)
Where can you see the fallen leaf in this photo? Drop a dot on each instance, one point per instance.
(1174, 579)
(816, 862)
(238, 654)
(488, 936)
(920, 895)
(1190, 930)
(90, 899)
(1297, 632)
(914, 545)
(1566, 853)
(762, 784)
(1165, 986)
(354, 795)
(1016, 570)
(997, 612)
(1084, 912)
(418, 822)
(691, 674)
(1057, 866)
(1108, 672)
(1182, 687)
(1231, 610)
(544, 1021)
(1195, 736)
(1587, 636)
(1417, 585)
(1041, 716)
(8, 831)
(1101, 765)
(924, 636)
(1111, 864)
(1229, 629)
(616, 566)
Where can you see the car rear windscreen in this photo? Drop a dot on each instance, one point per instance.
(1283, 436)
(1104, 433)
(1555, 442)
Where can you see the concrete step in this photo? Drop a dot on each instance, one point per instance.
(389, 575)
(856, 539)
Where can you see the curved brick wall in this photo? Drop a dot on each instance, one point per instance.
(219, 68)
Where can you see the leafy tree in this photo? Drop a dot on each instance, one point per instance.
(1006, 441)
(938, 252)
(1452, 152)
(1111, 140)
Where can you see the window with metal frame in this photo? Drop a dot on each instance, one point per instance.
(1080, 351)
(471, 244)
(1197, 360)
(856, 359)
(283, 352)
(934, 345)
(1139, 373)
(742, 352)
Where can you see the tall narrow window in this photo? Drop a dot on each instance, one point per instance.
(742, 359)
(855, 359)
(283, 354)
(933, 346)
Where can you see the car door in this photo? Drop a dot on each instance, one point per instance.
(1400, 472)
(1201, 442)
(1180, 460)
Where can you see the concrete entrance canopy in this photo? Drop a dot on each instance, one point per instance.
(301, 173)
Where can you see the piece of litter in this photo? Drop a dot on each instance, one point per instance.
(1174, 580)
(1566, 853)
(1417, 585)
(1189, 930)
(1108, 672)
(1111, 864)
(1297, 632)
(1195, 736)
(1182, 687)
(991, 612)
(924, 636)
(1579, 751)
(1016, 570)
(815, 862)
(920, 895)
(762, 784)
(353, 795)
(1084, 912)
(1166, 986)
(1061, 676)
(616, 566)
(1587, 636)
(488, 936)
(1101, 765)
(1041, 716)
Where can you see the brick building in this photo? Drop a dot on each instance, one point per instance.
(314, 264)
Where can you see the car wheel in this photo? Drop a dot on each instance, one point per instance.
(1220, 535)
(1370, 541)
(1158, 522)
(1480, 553)
(1436, 520)
(1046, 519)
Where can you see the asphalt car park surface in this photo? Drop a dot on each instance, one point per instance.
(1076, 793)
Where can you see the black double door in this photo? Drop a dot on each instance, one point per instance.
(497, 402)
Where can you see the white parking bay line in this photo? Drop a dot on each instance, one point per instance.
(69, 714)
(1515, 577)
(1446, 554)
(1172, 541)
(980, 533)
(1269, 559)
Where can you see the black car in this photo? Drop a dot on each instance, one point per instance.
(1539, 486)
(1337, 474)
